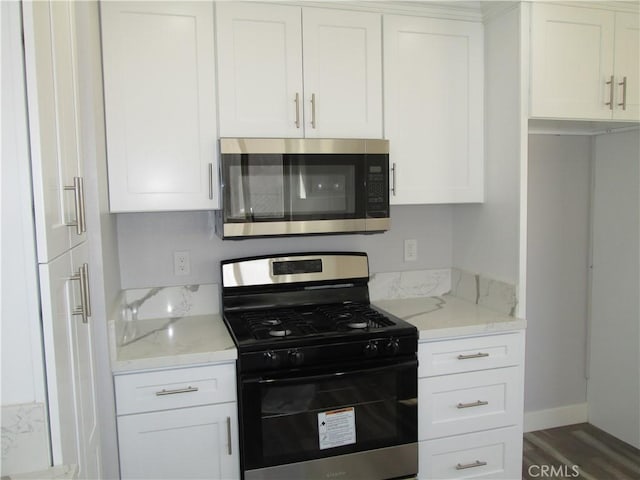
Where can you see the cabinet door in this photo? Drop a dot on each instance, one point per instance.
(571, 62)
(159, 75)
(259, 70)
(342, 73)
(69, 364)
(49, 37)
(196, 442)
(627, 53)
(433, 106)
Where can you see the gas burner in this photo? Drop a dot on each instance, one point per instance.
(283, 332)
(357, 325)
(343, 316)
(271, 322)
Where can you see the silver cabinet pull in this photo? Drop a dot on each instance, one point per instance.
(313, 110)
(297, 100)
(84, 309)
(229, 449)
(479, 403)
(623, 84)
(177, 390)
(211, 181)
(477, 463)
(78, 196)
(473, 355)
(610, 102)
(393, 179)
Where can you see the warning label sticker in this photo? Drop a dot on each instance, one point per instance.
(337, 428)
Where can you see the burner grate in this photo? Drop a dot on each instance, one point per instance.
(277, 324)
(354, 316)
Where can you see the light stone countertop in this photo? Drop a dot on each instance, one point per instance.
(163, 343)
(447, 316)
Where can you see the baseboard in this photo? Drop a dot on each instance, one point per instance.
(555, 417)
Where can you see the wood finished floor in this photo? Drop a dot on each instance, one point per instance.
(595, 454)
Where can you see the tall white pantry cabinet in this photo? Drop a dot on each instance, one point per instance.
(60, 220)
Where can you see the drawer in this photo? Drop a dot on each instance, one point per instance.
(469, 354)
(468, 402)
(492, 454)
(176, 388)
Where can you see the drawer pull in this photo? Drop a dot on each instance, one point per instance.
(178, 390)
(475, 464)
(473, 355)
(479, 403)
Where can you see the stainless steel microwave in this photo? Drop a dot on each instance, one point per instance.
(290, 186)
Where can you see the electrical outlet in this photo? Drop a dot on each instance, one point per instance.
(411, 250)
(181, 263)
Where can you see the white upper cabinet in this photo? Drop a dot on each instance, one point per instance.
(50, 67)
(259, 70)
(433, 104)
(627, 66)
(264, 89)
(159, 75)
(580, 58)
(342, 74)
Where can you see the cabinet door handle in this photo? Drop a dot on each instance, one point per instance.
(610, 102)
(229, 448)
(393, 179)
(478, 403)
(177, 390)
(84, 309)
(78, 197)
(473, 355)
(464, 466)
(297, 100)
(623, 84)
(211, 181)
(313, 110)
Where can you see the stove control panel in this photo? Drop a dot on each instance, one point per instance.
(340, 351)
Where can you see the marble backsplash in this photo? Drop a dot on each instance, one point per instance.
(409, 284)
(25, 441)
(487, 292)
(475, 288)
(162, 303)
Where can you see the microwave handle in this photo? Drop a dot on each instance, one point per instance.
(393, 179)
(392, 365)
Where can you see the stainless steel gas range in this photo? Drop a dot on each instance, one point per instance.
(327, 383)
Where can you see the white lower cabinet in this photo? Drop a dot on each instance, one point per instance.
(485, 454)
(178, 423)
(470, 407)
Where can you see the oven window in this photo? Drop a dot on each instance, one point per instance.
(320, 415)
(290, 413)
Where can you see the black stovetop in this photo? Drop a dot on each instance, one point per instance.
(266, 328)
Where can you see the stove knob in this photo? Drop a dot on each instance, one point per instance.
(393, 346)
(272, 359)
(371, 349)
(296, 357)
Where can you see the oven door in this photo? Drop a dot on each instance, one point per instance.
(331, 422)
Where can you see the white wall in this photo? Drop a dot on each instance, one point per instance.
(558, 250)
(485, 236)
(22, 367)
(146, 242)
(614, 367)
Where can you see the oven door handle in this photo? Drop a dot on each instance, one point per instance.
(341, 372)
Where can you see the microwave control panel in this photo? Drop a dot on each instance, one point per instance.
(377, 185)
